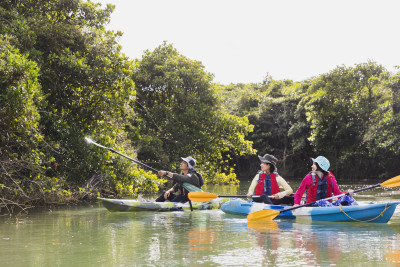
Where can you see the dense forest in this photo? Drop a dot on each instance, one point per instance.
(351, 115)
(63, 77)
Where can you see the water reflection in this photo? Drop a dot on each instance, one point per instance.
(269, 243)
(260, 226)
(324, 244)
(172, 237)
(202, 239)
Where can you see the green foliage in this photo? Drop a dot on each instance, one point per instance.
(143, 182)
(240, 99)
(226, 140)
(277, 119)
(385, 130)
(63, 77)
(223, 178)
(179, 115)
(20, 156)
(273, 114)
(383, 133)
(339, 109)
(350, 115)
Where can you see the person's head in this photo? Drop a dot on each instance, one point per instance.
(188, 163)
(320, 164)
(268, 163)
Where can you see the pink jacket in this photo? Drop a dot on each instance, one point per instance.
(307, 182)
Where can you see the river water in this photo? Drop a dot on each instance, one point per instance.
(93, 236)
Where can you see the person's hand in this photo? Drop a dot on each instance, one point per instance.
(163, 173)
(295, 205)
(275, 196)
(166, 194)
(249, 195)
(350, 192)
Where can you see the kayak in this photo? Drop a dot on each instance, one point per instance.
(136, 205)
(373, 213)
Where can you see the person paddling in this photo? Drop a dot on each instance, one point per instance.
(266, 183)
(319, 183)
(188, 175)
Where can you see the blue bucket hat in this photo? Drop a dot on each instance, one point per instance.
(322, 162)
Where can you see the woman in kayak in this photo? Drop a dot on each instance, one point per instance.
(189, 175)
(266, 183)
(319, 183)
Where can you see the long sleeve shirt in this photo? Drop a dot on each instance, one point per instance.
(307, 182)
(190, 178)
(287, 190)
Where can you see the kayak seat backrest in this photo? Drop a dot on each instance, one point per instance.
(191, 188)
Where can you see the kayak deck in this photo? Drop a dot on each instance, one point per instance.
(135, 205)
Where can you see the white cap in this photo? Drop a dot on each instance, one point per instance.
(190, 161)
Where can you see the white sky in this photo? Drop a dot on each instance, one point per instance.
(242, 41)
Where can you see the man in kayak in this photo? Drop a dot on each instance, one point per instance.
(189, 175)
(266, 183)
(319, 183)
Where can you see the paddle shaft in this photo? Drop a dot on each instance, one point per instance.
(125, 156)
(243, 196)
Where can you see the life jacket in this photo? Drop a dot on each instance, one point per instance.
(266, 185)
(319, 189)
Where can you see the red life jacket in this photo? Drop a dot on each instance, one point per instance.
(312, 190)
(259, 190)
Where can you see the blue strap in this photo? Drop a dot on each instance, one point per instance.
(267, 186)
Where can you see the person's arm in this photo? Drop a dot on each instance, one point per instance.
(175, 187)
(252, 187)
(300, 191)
(287, 190)
(168, 192)
(165, 173)
(190, 178)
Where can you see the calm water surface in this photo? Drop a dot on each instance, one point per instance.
(92, 236)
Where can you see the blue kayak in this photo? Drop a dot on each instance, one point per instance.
(373, 213)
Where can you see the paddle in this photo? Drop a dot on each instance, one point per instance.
(188, 187)
(267, 215)
(204, 196)
(90, 141)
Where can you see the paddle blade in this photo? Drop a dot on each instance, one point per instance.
(262, 215)
(88, 140)
(393, 182)
(201, 196)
